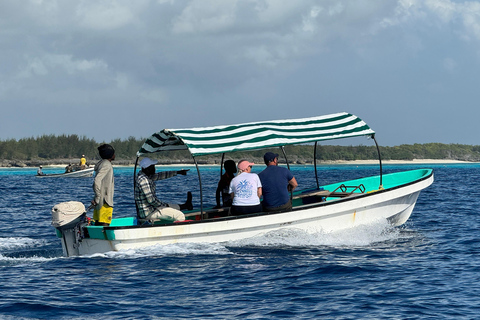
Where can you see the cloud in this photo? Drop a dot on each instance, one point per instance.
(158, 95)
(107, 15)
(205, 16)
(449, 64)
(53, 71)
(462, 16)
(201, 57)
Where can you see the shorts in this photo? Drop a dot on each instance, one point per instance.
(104, 214)
(241, 210)
(283, 208)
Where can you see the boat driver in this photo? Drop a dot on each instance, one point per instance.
(149, 207)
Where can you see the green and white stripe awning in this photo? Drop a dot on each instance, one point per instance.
(256, 135)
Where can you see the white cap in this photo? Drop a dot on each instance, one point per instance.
(147, 162)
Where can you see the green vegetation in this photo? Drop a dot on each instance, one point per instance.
(67, 147)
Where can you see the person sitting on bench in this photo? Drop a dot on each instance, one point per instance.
(149, 207)
(277, 182)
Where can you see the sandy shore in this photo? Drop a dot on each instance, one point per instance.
(415, 161)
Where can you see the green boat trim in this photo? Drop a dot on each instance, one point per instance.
(301, 199)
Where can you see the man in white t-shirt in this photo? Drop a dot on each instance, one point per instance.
(246, 190)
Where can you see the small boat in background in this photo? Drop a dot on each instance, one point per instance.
(88, 172)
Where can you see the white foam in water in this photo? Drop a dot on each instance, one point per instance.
(25, 259)
(12, 244)
(360, 236)
(363, 235)
(18, 243)
(171, 249)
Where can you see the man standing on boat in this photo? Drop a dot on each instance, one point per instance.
(277, 182)
(149, 207)
(83, 162)
(103, 186)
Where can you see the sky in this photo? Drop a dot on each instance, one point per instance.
(109, 69)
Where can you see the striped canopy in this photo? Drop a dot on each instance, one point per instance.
(256, 135)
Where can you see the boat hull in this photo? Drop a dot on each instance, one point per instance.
(74, 174)
(394, 205)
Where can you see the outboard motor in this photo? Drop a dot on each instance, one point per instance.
(67, 218)
(66, 215)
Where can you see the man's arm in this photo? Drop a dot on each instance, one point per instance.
(168, 174)
(292, 184)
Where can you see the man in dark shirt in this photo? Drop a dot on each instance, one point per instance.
(277, 182)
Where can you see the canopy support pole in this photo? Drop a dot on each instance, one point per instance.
(380, 160)
(285, 156)
(201, 189)
(288, 166)
(135, 182)
(221, 165)
(315, 164)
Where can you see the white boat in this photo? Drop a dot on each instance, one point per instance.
(326, 208)
(88, 172)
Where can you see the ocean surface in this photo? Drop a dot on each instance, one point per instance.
(427, 269)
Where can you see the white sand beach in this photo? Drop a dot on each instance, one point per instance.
(414, 161)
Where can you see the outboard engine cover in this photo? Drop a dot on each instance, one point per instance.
(66, 215)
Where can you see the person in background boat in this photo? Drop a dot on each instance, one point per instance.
(83, 162)
(103, 186)
(224, 185)
(245, 190)
(68, 168)
(40, 172)
(277, 182)
(149, 207)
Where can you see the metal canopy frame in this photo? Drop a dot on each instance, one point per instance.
(171, 141)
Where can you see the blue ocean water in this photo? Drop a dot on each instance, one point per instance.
(427, 269)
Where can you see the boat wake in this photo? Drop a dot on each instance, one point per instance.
(19, 243)
(360, 236)
(18, 250)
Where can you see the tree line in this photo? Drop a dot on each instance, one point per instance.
(49, 147)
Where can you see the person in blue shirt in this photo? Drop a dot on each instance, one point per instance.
(277, 183)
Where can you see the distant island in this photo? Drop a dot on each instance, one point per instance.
(65, 149)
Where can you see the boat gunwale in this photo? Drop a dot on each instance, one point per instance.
(298, 208)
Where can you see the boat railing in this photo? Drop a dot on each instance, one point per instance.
(345, 191)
